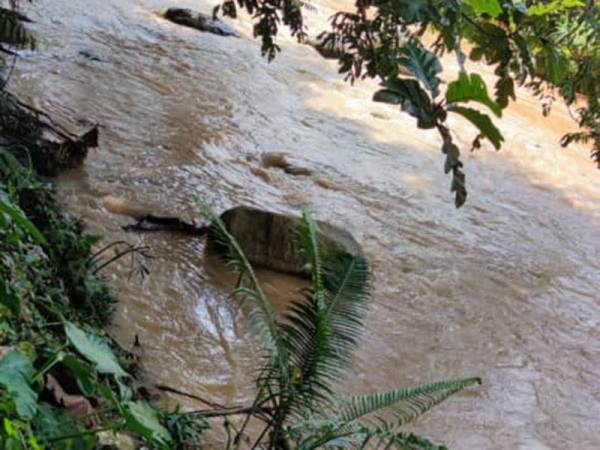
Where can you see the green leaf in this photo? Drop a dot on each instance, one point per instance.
(15, 213)
(95, 349)
(412, 99)
(387, 96)
(16, 374)
(556, 6)
(424, 65)
(406, 403)
(9, 298)
(489, 7)
(452, 157)
(57, 423)
(482, 122)
(142, 419)
(85, 379)
(458, 186)
(471, 88)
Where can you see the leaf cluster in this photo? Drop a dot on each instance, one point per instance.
(550, 46)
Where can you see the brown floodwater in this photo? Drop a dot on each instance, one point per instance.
(504, 288)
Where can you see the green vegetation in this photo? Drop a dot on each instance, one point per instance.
(65, 384)
(308, 350)
(62, 379)
(550, 46)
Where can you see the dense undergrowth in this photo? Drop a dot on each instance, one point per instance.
(64, 384)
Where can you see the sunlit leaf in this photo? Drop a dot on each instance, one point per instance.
(489, 7)
(482, 122)
(95, 349)
(471, 88)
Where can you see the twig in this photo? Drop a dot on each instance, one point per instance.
(212, 404)
(119, 255)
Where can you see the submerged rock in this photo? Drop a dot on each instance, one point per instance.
(89, 55)
(281, 160)
(269, 239)
(199, 21)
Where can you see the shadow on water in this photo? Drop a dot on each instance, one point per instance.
(503, 288)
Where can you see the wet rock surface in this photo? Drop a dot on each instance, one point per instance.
(199, 21)
(269, 240)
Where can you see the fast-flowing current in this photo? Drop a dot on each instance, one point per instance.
(505, 288)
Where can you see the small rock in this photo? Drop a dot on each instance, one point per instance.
(280, 160)
(199, 21)
(380, 115)
(275, 159)
(297, 170)
(261, 173)
(326, 184)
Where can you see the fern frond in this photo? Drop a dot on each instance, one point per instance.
(402, 441)
(406, 404)
(308, 241)
(322, 330)
(12, 30)
(347, 283)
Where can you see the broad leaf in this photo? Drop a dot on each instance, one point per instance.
(471, 88)
(482, 122)
(412, 99)
(16, 373)
(14, 212)
(424, 65)
(556, 6)
(52, 423)
(142, 419)
(83, 374)
(95, 349)
(387, 96)
(489, 7)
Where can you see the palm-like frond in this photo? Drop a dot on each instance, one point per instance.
(321, 331)
(399, 440)
(347, 283)
(357, 423)
(261, 314)
(406, 404)
(309, 244)
(12, 30)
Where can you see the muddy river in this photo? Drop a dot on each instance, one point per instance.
(504, 288)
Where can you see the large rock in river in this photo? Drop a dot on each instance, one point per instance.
(199, 21)
(269, 240)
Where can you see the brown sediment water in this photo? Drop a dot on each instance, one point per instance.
(505, 288)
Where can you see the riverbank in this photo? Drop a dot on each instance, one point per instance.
(67, 384)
